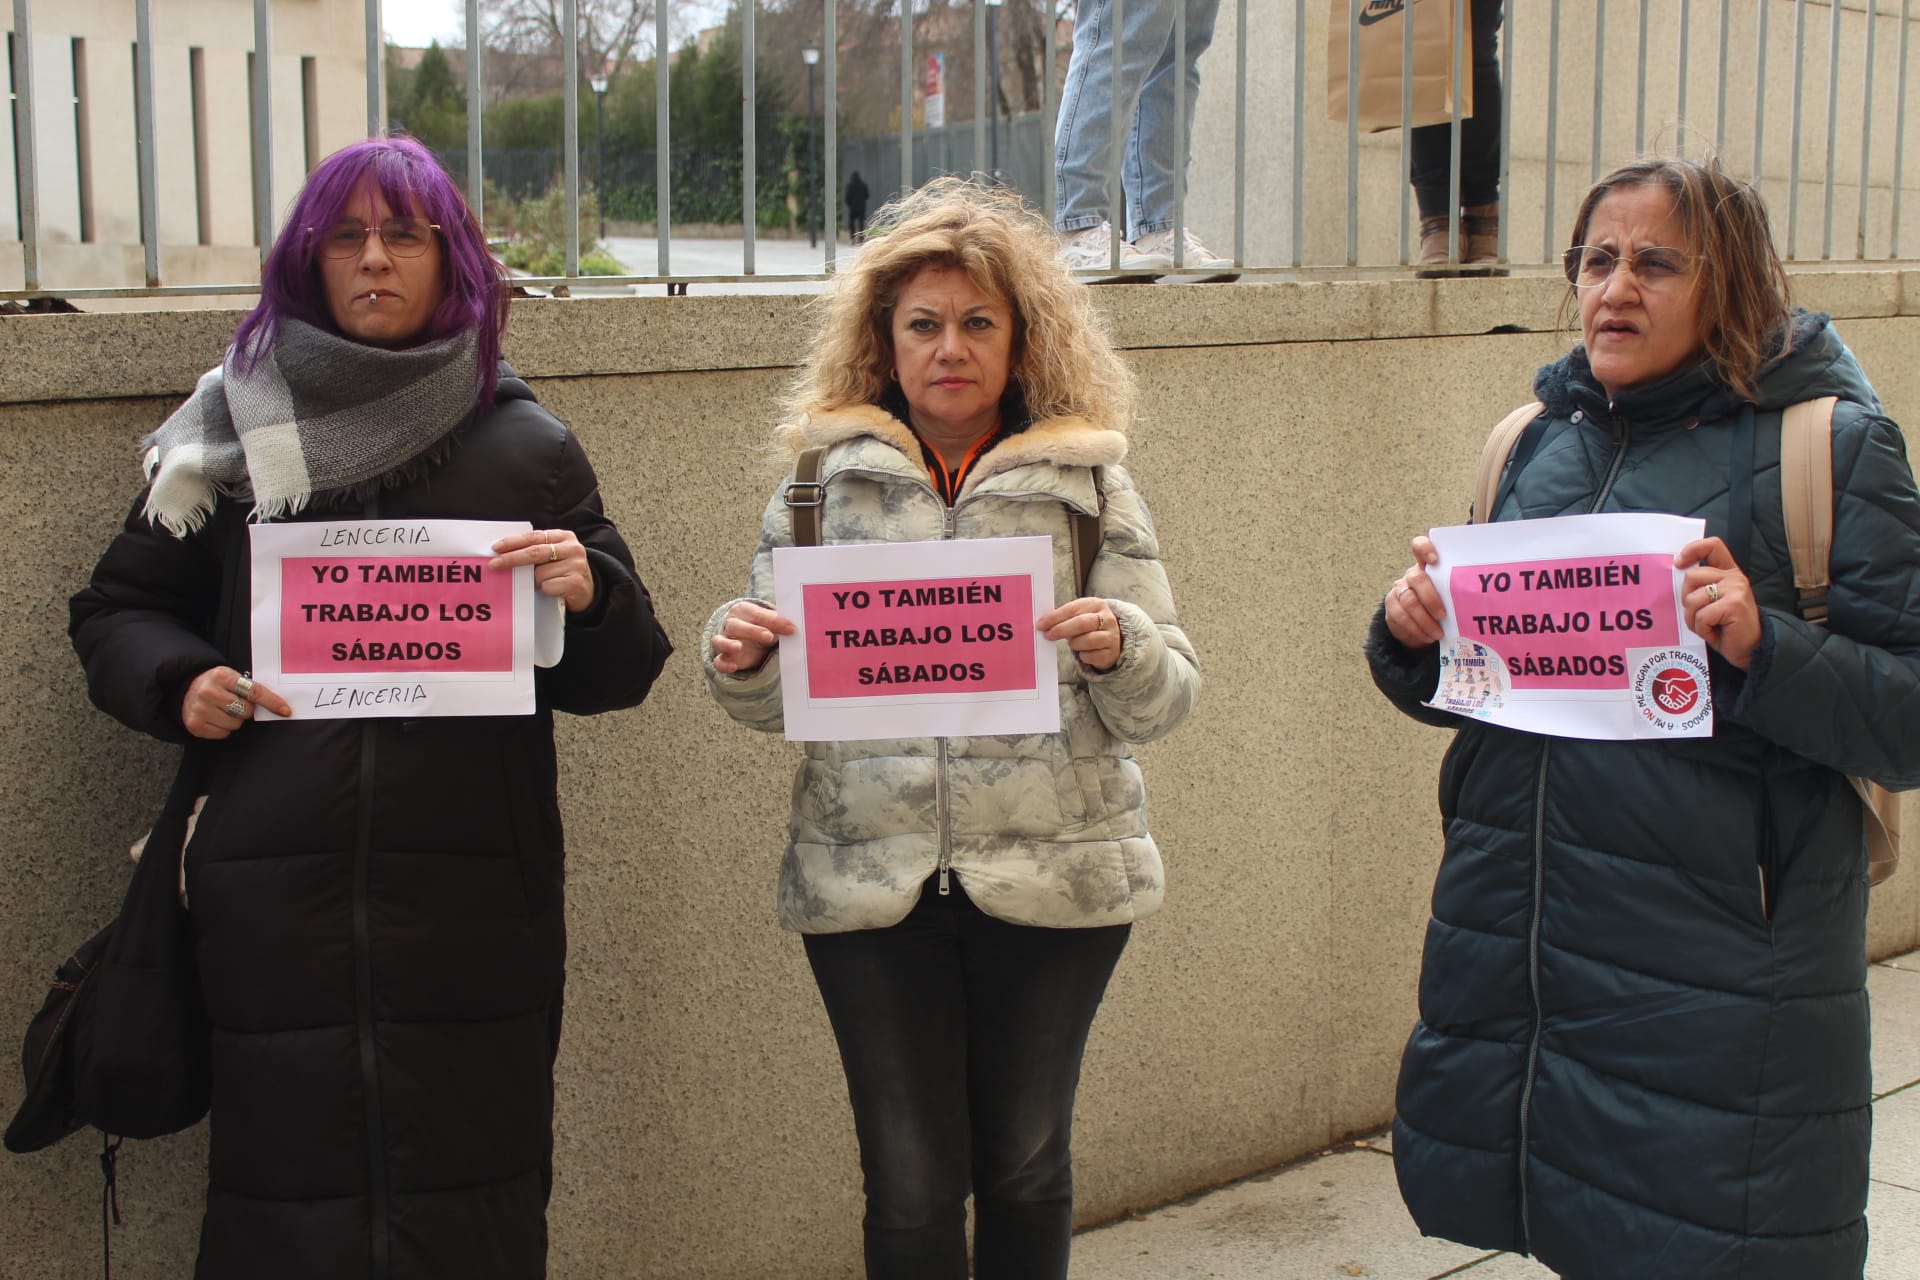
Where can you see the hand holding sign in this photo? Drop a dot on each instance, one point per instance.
(1414, 609)
(207, 710)
(559, 563)
(745, 638)
(1719, 600)
(1089, 629)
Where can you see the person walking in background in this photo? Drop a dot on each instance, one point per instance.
(1432, 163)
(964, 900)
(378, 902)
(1643, 1038)
(856, 207)
(1141, 104)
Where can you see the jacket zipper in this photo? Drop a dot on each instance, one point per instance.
(1539, 900)
(941, 785)
(378, 1202)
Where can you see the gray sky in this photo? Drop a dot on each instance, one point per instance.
(420, 22)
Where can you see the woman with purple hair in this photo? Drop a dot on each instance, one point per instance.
(377, 902)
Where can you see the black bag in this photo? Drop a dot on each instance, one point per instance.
(123, 1042)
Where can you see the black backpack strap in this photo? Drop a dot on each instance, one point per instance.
(805, 496)
(1740, 490)
(1087, 532)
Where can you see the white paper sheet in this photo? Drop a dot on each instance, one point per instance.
(917, 639)
(1572, 627)
(356, 618)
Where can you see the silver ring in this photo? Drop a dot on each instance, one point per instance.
(1406, 591)
(237, 709)
(1713, 593)
(243, 689)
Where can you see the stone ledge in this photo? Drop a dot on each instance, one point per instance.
(161, 353)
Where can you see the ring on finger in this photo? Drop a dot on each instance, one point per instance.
(1406, 591)
(1713, 593)
(553, 553)
(243, 689)
(237, 709)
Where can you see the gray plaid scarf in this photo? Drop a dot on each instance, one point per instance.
(321, 412)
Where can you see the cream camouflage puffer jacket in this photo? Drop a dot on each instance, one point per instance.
(1042, 829)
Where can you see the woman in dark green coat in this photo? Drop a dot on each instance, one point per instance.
(1642, 1051)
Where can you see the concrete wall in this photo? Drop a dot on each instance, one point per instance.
(1293, 436)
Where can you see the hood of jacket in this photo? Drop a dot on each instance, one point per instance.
(1066, 441)
(1816, 363)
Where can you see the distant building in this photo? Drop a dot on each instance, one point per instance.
(86, 149)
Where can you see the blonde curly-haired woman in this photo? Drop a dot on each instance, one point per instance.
(964, 900)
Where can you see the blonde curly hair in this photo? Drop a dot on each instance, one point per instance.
(1063, 361)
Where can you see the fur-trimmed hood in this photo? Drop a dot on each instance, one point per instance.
(1062, 442)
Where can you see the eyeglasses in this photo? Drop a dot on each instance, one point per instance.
(1588, 267)
(403, 237)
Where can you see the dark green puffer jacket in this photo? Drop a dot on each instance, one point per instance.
(1642, 1046)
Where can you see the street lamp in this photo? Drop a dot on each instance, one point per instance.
(811, 55)
(993, 62)
(599, 85)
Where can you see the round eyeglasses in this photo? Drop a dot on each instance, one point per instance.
(1588, 267)
(403, 237)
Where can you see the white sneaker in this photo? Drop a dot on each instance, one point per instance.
(1159, 245)
(1091, 249)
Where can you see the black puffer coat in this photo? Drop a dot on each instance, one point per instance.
(378, 903)
(1631, 1060)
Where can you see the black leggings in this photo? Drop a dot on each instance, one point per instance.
(961, 1036)
(1432, 144)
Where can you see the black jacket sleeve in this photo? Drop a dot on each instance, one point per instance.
(140, 624)
(1848, 695)
(616, 647)
(1407, 676)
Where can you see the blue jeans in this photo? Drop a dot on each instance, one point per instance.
(961, 1036)
(1144, 99)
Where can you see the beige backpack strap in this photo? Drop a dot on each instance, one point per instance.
(1493, 458)
(1806, 500)
(1806, 497)
(805, 496)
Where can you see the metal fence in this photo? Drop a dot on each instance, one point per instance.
(1866, 47)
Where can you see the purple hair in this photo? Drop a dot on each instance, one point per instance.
(408, 178)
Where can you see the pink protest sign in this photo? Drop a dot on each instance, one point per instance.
(1568, 623)
(917, 639)
(1571, 626)
(348, 614)
(355, 618)
(926, 635)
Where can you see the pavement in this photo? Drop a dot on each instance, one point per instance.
(1338, 1215)
(640, 256)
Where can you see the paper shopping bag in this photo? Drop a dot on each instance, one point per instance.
(1382, 27)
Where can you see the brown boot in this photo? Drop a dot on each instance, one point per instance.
(1433, 241)
(1480, 234)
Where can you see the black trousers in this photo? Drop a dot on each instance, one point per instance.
(1432, 144)
(962, 1036)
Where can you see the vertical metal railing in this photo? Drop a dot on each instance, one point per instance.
(1866, 138)
(662, 144)
(263, 126)
(1116, 139)
(1353, 133)
(1900, 127)
(376, 71)
(143, 97)
(27, 174)
(1298, 203)
(476, 113)
(1854, 50)
(1595, 156)
(749, 186)
(1833, 131)
(830, 40)
(570, 127)
(1793, 127)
